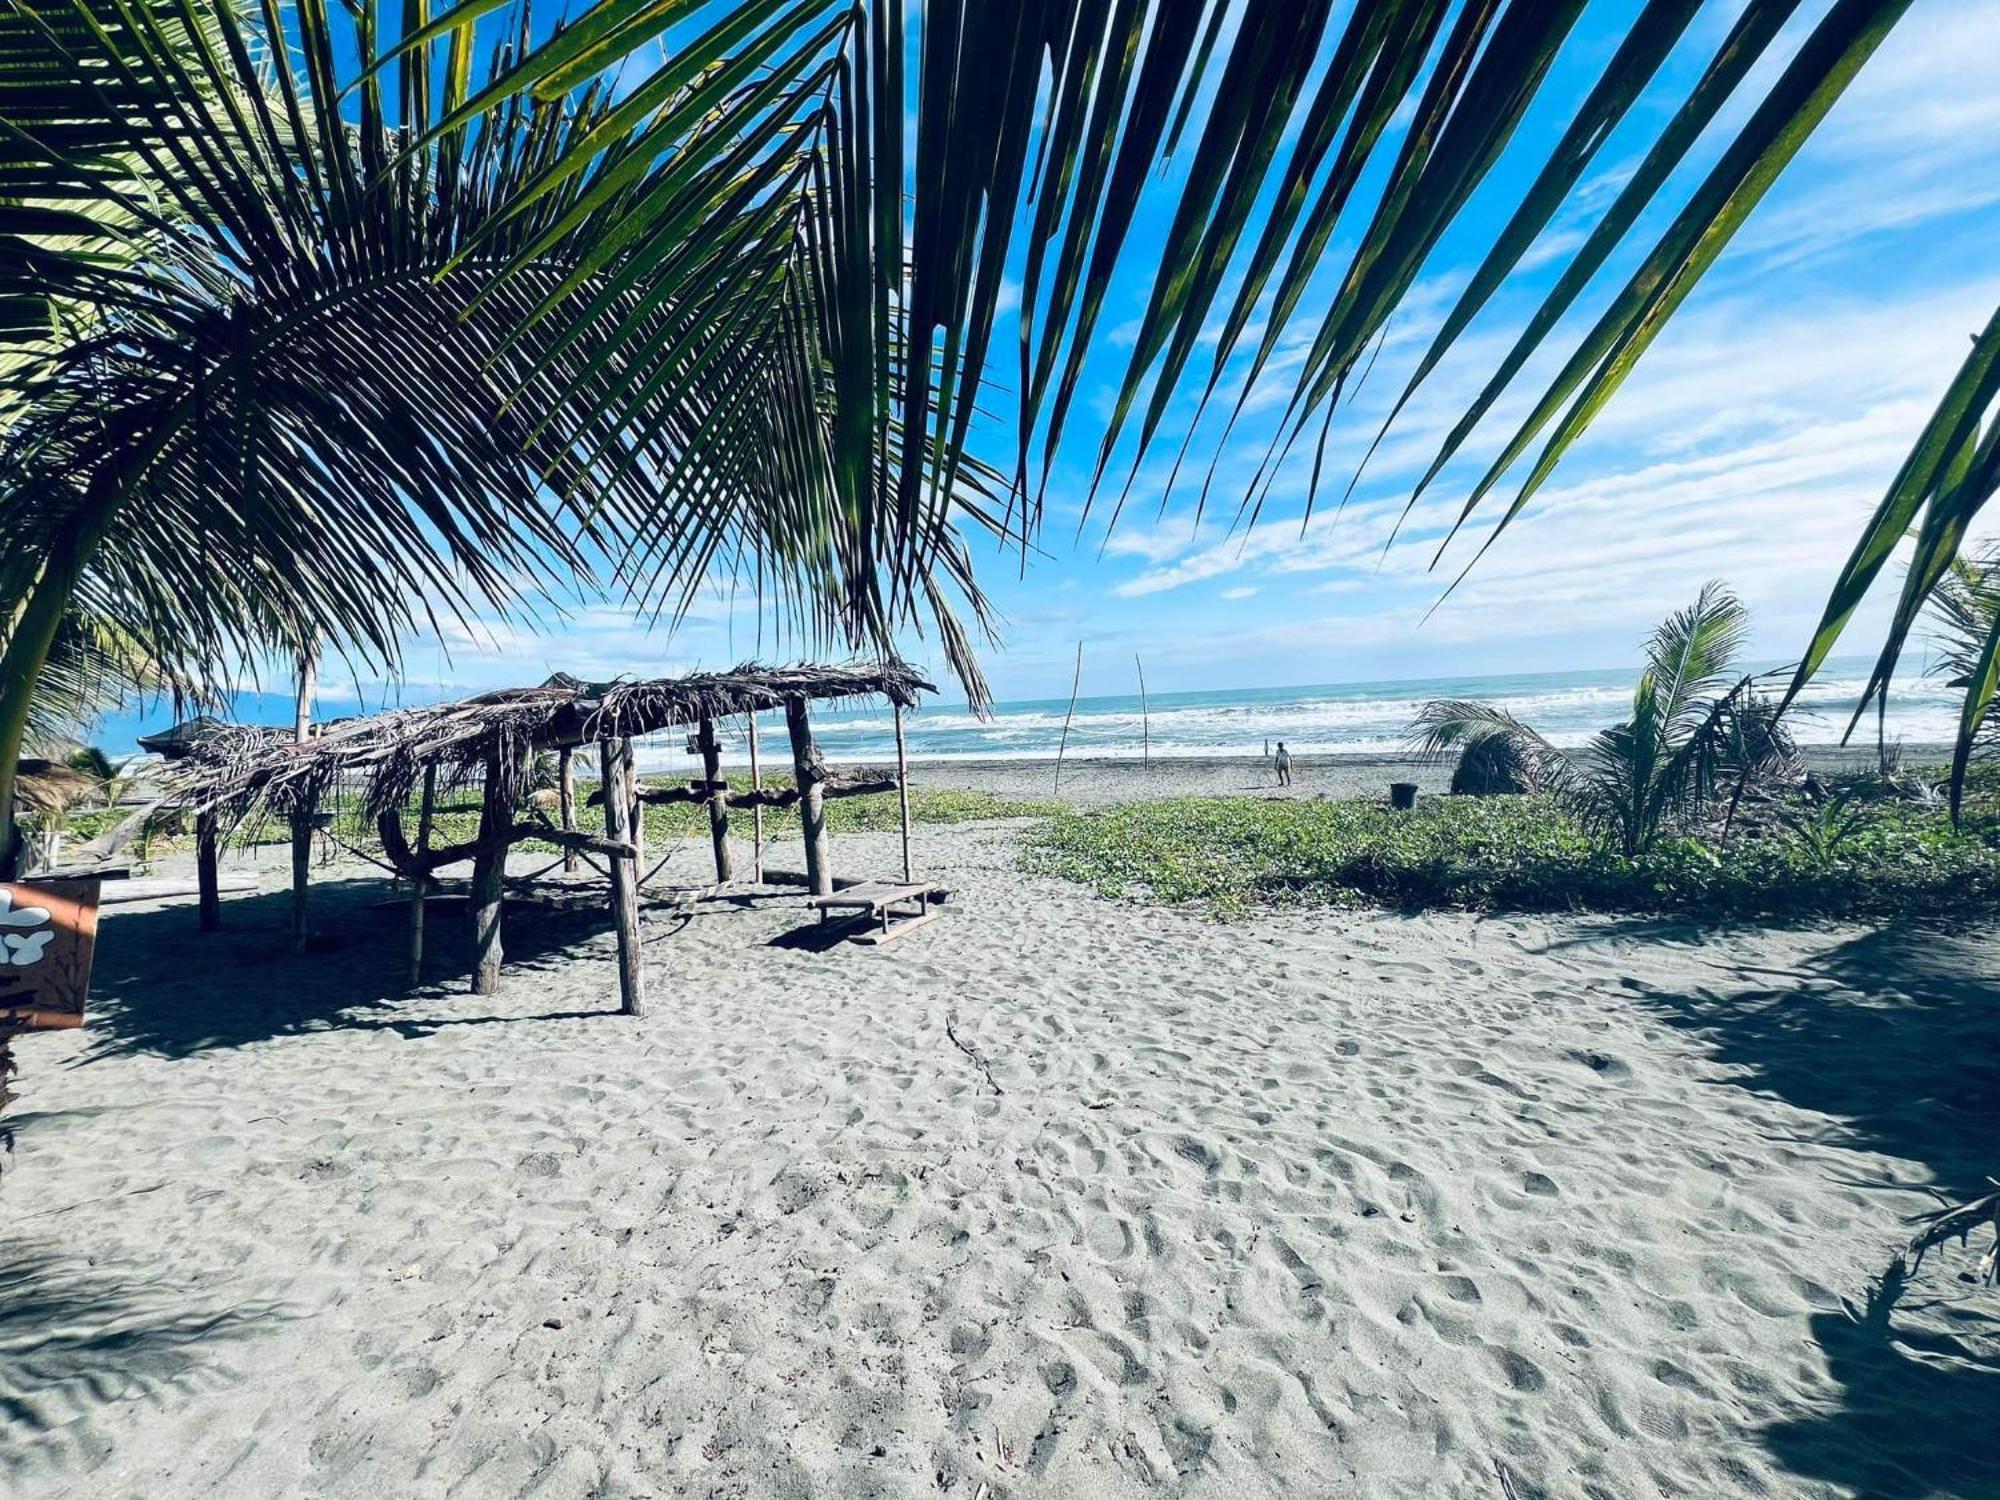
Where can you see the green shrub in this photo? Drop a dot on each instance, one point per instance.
(1513, 853)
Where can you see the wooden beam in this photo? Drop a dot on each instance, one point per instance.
(810, 771)
(718, 801)
(207, 853)
(411, 865)
(616, 765)
(566, 792)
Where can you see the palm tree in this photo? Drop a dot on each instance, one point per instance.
(996, 155)
(1949, 477)
(1692, 725)
(273, 389)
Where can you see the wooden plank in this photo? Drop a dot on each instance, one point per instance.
(873, 894)
(900, 927)
(156, 888)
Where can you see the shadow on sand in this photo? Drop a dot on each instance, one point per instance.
(161, 987)
(76, 1337)
(1897, 1034)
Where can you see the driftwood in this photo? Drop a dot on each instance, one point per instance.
(1958, 1221)
(414, 866)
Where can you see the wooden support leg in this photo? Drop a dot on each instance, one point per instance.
(812, 801)
(756, 808)
(302, 848)
(207, 854)
(718, 802)
(489, 871)
(635, 825)
(420, 886)
(567, 784)
(613, 758)
(903, 790)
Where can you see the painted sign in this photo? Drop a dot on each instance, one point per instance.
(48, 934)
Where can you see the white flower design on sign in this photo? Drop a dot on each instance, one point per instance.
(20, 948)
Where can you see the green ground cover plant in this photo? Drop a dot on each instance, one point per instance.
(1882, 855)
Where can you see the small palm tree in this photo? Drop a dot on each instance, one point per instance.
(1965, 609)
(1692, 726)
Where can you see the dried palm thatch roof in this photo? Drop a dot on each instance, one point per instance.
(240, 769)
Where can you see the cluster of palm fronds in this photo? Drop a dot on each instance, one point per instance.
(1699, 735)
(299, 353)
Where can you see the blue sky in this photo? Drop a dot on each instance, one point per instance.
(1749, 444)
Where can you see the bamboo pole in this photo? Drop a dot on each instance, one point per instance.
(1075, 683)
(420, 886)
(566, 793)
(1145, 719)
(614, 766)
(718, 801)
(207, 853)
(812, 802)
(757, 809)
(903, 791)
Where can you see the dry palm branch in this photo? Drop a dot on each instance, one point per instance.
(240, 772)
(279, 393)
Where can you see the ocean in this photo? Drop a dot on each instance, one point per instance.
(1337, 718)
(1332, 719)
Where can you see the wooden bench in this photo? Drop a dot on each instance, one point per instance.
(886, 901)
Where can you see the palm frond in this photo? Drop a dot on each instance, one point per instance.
(1037, 131)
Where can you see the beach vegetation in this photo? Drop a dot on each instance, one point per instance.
(1696, 733)
(1861, 852)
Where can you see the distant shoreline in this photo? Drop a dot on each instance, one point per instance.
(1107, 779)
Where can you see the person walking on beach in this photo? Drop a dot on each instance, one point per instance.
(1284, 765)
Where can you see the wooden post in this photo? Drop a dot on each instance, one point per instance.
(207, 852)
(757, 809)
(302, 832)
(302, 849)
(420, 887)
(903, 790)
(566, 783)
(635, 823)
(616, 770)
(489, 872)
(1063, 745)
(718, 801)
(812, 801)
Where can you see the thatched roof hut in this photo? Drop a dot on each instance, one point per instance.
(237, 769)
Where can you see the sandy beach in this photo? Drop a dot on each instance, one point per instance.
(1057, 1197)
